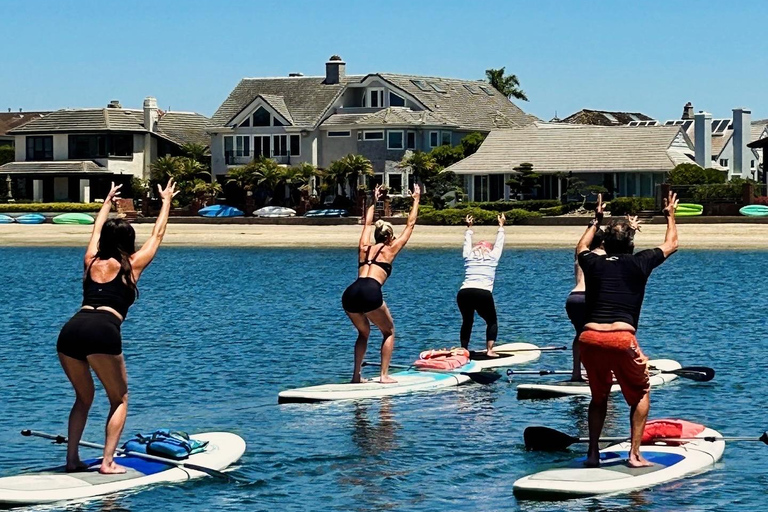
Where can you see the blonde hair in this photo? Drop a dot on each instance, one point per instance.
(383, 232)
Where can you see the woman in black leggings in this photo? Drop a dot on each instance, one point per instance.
(476, 293)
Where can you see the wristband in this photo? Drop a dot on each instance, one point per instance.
(594, 223)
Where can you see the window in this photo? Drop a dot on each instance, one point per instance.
(410, 140)
(261, 117)
(471, 89)
(40, 148)
(395, 139)
(751, 164)
(228, 147)
(375, 98)
(396, 100)
(395, 183)
(242, 145)
(262, 145)
(445, 138)
(340, 134)
(246, 123)
(436, 87)
(724, 162)
(276, 122)
(373, 135)
(421, 84)
(433, 139)
(295, 145)
(487, 90)
(100, 146)
(279, 145)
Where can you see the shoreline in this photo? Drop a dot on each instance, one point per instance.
(692, 236)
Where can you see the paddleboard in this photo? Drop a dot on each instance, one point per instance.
(55, 484)
(568, 388)
(275, 211)
(754, 210)
(220, 210)
(31, 218)
(408, 381)
(689, 210)
(614, 474)
(506, 359)
(73, 218)
(6, 219)
(326, 213)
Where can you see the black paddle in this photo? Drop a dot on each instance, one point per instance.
(697, 373)
(510, 351)
(58, 439)
(549, 439)
(481, 377)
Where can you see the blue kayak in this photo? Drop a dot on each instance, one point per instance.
(220, 210)
(31, 218)
(6, 219)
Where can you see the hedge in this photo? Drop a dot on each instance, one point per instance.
(631, 205)
(50, 207)
(456, 216)
(532, 205)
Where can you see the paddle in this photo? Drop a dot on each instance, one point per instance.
(549, 439)
(540, 349)
(58, 439)
(697, 373)
(482, 377)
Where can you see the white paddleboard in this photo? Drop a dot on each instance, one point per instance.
(408, 381)
(568, 388)
(507, 356)
(55, 484)
(614, 474)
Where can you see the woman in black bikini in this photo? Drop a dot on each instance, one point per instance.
(91, 338)
(362, 300)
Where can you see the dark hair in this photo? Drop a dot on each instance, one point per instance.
(597, 240)
(118, 241)
(618, 237)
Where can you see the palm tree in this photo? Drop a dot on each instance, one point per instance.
(508, 85)
(297, 177)
(198, 152)
(347, 171)
(165, 167)
(422, 165)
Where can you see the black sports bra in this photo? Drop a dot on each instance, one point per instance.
(114, 294)
(386, 267)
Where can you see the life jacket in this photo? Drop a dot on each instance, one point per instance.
(442, 359)
(662, 428)
(164, 443)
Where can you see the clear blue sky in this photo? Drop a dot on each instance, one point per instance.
(649, 56)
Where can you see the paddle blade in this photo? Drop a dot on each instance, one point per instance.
(547, 439)
(483, 377)
(698, 373)
(764, 437)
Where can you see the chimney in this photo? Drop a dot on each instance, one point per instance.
(150, 113)
(742, 155)
(702, 138)
(688, 111)
(335, 69)
(114, 104)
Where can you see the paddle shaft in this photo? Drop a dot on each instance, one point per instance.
(480, 377)
(540, 349)
(695, 372)
(58, 439)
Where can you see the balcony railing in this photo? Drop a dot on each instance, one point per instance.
(243, 157)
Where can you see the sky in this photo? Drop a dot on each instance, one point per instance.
(645, 56)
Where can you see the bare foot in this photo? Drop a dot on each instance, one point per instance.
(386, 379)
(638, 461)
(111, 469)
(73, 467)
(491, 353)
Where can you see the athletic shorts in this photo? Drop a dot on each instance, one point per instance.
(362, 296)
(608, 354)
(576, 308)
(90, 331)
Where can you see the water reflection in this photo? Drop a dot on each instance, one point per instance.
(378, 436)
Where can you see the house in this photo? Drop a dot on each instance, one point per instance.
(319, 119)
(607, 118)
(628, 161)
(10, 120)
(757, 130)
(74, 154)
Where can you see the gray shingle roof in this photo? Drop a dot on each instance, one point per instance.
(578, 148)
(392, 116)
(178, 127)
(308, 99)
(604, 117)
(278, 103)
(11, 120)
(78, 166)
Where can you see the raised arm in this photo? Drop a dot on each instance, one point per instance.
(670, 238)
(143, 257)
(498, 246)
(400, 242)
(365, 236)
(101, 218)
(594, 225)
(468, 237)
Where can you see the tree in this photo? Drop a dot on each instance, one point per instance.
(347, 171)
(692, 174)
(580, 188)
(508, 85)
(447, 155)
(197, 152)
(298, 177)
(525, 181)
(7, 154)
(422, 165)
(471, 143)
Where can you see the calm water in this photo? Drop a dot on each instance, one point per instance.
(217, 333)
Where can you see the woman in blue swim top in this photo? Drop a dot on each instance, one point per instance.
(362, 300)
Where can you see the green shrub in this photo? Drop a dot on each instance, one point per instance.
(519, 216)
(50, 207)
(456, 216)
(731, 191)
(692, 174)
(631, 205)
(555, 210)
(7, 154)
(532, 205)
